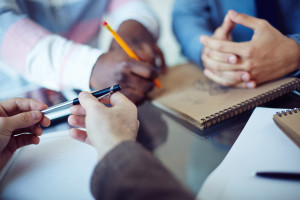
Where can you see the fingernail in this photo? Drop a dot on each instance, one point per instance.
(232, 59)
(245, 77)
(36, 115)
(202, 39)
(251, 85)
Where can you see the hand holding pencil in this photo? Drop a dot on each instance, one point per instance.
(116, 67)
(126, 48)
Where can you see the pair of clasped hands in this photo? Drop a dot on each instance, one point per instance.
(21, 122)
(269, 55)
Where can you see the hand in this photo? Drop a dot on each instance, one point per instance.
(268, 56)
(228, 78)
(142, 42)
(135, 77)
(106, 126)
(19, 116)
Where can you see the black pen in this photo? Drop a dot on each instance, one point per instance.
(99, 94)
(279, 175)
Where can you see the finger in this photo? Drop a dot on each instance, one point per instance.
(45, 122)
(18, 105)
(118, 99)
(77, 110)
(224, 46)
(23, 120)
(233, 76)
(221, 57)
(220, 66)
(143, 69)
(77, 120)
(245, 20)
(89, 102)
(159, 53)
(146, 54)
(229, 82)
(26, 139)
(138, 83)
(134, 96)
(227, 26)
(78, 134)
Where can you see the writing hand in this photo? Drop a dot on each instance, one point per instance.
(19, 116)
(268, 56)
(106, 126)
(135, 77)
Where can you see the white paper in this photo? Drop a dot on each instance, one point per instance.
(261, 146)
(57, 168)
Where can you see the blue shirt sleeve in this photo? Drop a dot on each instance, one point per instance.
(296, 37)
(191, 19)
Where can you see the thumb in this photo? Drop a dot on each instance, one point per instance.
(88, 101)
(23, 120)
(243, 19)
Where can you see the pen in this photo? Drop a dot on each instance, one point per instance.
(126, 48)
(99, 94)
(279, 175)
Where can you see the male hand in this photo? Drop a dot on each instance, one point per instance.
(228, 78)
(106, 126)
(116, 67)
(19, 116)
(268, 56)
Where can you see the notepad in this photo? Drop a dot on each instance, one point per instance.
(261, 146)
(289, 122)
(57, 168)
(188, 94)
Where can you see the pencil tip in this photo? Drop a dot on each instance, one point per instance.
(104, 23)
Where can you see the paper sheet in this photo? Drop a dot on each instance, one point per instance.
(261, 146)
(58, 168)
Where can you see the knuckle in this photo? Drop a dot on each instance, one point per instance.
(250, 53)
(219, 47)
(249, 66)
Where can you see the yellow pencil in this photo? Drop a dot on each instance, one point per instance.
(126, 48)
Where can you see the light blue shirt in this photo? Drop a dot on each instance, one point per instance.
(193, 18)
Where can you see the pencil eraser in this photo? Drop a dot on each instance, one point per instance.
(104, 23)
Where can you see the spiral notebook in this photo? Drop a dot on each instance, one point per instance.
(187, 93)
(289, 122)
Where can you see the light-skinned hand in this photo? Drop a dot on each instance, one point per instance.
(269, 55)
(106, 127)
(19, 116)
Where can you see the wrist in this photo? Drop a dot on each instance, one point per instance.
(295, 55)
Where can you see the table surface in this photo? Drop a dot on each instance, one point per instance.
(189, 153)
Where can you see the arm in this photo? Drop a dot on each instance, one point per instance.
(190, 20)
(131, 172)
(126, 170)
(44, 58)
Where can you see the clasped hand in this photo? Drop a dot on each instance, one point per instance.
(269, 55)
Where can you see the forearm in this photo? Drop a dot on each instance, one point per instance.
(131, 172)
(42, 57)
(190, 20)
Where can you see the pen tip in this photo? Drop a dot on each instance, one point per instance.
(104, 23)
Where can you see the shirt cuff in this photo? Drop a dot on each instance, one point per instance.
(295, 37)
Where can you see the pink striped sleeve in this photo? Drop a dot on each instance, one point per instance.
(115, 4)
(19, 39)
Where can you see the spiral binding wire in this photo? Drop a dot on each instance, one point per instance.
(286, 112)
(251, 103)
